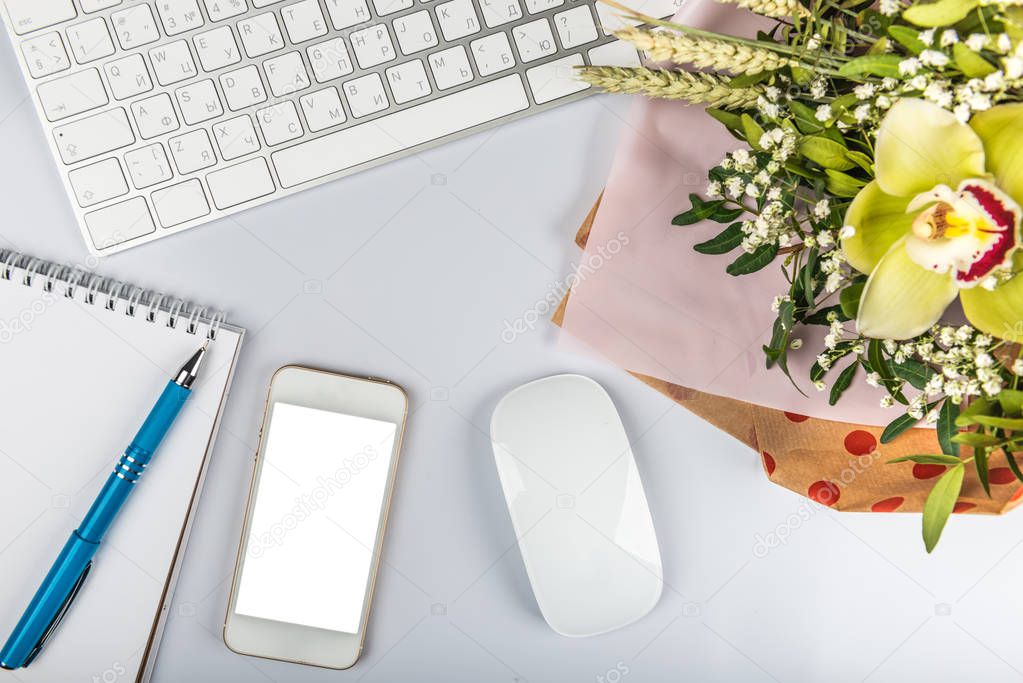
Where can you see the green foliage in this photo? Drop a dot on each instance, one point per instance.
(702, 210)
(940, 503)
(940, 13)
(724, 242)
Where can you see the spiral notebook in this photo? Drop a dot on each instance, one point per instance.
(82, 360)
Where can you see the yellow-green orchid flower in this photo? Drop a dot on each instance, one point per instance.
(941, 220)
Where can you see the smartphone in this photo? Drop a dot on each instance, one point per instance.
(315, 519)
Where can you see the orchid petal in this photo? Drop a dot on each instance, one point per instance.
(999, 129)
(879, 220)
(901, 299)
(998, 312)
(920, 145)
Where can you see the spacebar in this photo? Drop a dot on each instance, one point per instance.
(395, 132)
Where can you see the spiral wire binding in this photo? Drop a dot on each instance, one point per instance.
(112, 293)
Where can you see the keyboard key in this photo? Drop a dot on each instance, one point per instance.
(172, 62)
(304, 21)
(385, 135)
(457, 19)
(450, 67)
(135, 26)
(499, 12)
(218, 10)
(199, 102)
(279, 123)
(415, 32)
(330, 60)
(555, 79)
(148, 166)
(119, 223)
(216, 49)
(616, 53)
(192, 151)
(239, 184)
(534, 40)
(347, 13)
(72, 94)
(260, 34)
(408, 81)
(155, 116)
(89, 6)
(385, 7)
(575, 27)
(45, 55)
(322, 109)
(365, 95)
(537, 6)
(128, 77)
(286, 74)
(90, 40)
(179, 16)
(236, 138)
(243, 88)
(97, 134)
(32, 15)
(492, 54)
(97, 183)
(372, 46)
(180, 203)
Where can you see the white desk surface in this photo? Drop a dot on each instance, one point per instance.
(409, 272)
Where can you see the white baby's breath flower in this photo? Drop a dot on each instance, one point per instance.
(976, 41)
(823, 112)
(979, 102)
(864, 91)
(861, 113)
(883, 102)
(873, 379)
(1013, 67)
(886, 401)
(846, 232)
(931, 417)
(927, 37)
(948, 37)
(962, 112)
(821, 209)
(1017, 366)
(918, 83)
(1003, 43)
(814, 42)
(994, 81)
(833, 283)
(937, 92)
(825, 239)
(714, 189)
(934, 58)
(909, 67)
(819, 385)
(796, 344)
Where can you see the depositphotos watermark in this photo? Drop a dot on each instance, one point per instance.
(308, 504)
(542, 309)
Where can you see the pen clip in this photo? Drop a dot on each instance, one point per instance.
(59, 616)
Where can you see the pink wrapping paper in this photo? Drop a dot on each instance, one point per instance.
(652, 305)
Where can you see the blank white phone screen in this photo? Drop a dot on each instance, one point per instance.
(318, 507)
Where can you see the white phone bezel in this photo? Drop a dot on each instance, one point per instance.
(357, 396)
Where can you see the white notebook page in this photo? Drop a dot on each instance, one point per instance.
(76, 383)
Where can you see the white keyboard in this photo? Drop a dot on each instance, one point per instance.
(167, 114)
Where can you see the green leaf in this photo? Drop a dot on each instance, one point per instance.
(862, 160)
(978, 406)
(914, 372)
(928, 459)
(970, 63)
(980, 457)
(940, 503)
(976, 439)
(726, 118)
(843, 382)
(849, 299)
(752, 130)
(879, 364)
(843, 184)
(727, 240)
(825, 152)
(946, 428)
(702, 210)
(940, 13)
(908, 38)
(820, 317)
(752, 262)
(1013, 465)
(872, 65)
(899, 425)
(806, 279)
(806, 118)
(1013, 423)
(1011, 401)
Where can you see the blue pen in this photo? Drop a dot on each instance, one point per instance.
(68, 573)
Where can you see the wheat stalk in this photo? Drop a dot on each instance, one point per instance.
(665, 46)
(695, 88)
(772, 8)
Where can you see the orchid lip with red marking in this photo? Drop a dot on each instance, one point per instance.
(1005, 216)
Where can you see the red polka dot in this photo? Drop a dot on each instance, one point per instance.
(796, 417)
(769, 463)
(824, 492)
(1016, 496)
(1001, 475)
(921, 471)
(859, 442)
(963, 506)
(888, 504)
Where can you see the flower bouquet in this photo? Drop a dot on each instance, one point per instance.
(882, 171)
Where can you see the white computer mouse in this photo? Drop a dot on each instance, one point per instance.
(577, 505)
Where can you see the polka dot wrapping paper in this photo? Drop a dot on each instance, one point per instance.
(838, 464)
